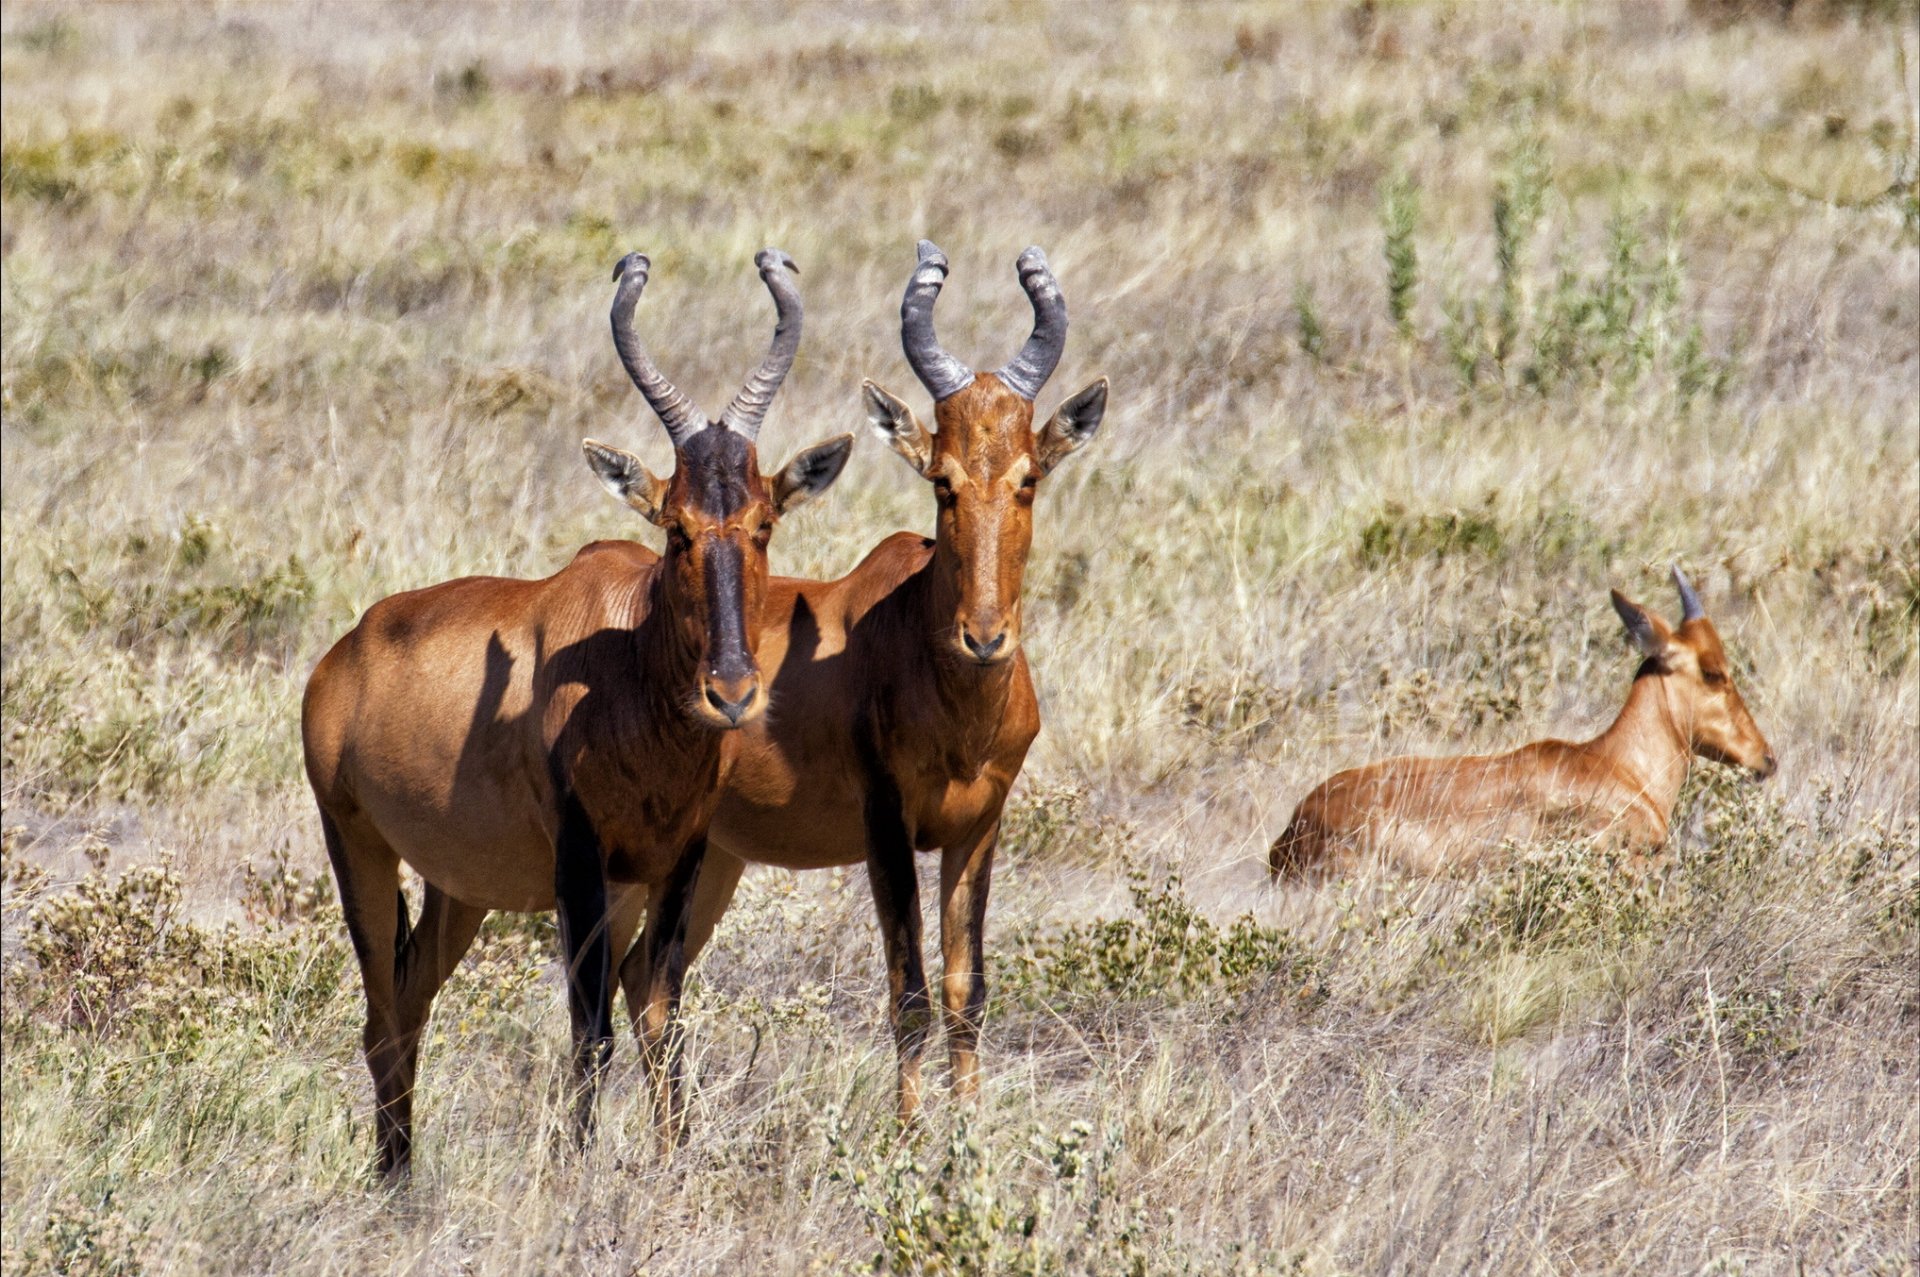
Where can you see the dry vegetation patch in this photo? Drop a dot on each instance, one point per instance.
(1426, 322)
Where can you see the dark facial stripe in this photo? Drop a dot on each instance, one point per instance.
(717, 464)
(727, 655)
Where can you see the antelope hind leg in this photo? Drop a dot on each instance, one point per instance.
(367, 873)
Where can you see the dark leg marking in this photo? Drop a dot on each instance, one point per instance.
(580, 884)
(896, 898)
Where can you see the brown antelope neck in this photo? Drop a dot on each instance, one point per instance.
(525, 744)
(1432, 814)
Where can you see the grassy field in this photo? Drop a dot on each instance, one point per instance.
(1427, 323)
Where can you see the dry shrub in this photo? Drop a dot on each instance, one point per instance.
(986, 1204)
(1170, 952)
(113, 957)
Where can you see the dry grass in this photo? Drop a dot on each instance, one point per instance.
(306, 305)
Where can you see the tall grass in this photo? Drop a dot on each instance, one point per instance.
(1427, 323)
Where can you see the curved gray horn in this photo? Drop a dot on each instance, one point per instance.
(938, 371)
(1690, 609)
(749, 407)
(675, 410)
(1041, 355)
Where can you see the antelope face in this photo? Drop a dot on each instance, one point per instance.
(1699, 682)
(718, 510)
(1723, 728)
(984, 460)
(985, 463)
(719, 513)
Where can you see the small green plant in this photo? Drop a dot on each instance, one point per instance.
(1039, 817)
(1396, 534)
(1615, 326)
(1759, 1022)
(282, 895)
(1312, 332)
(176, 591)
(106, 948)
(82, 1238)
(1518, 202)
(1399, 214)
(949, 1218)
(976, 1213)
(1882, 873)
(1049, 1207)
(1461, 332)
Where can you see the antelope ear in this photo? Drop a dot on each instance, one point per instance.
(1648, 632)
(1073, 424)
(810, 473)
(895, 423)
(627, 479)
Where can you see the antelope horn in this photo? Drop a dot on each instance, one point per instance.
(938, 371)
(675, 410)
(1690, 609)
(749, 407)
(1041, 355)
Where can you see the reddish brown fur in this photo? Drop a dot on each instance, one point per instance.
(1431, 815)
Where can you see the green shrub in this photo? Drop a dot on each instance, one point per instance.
(1557, 894)
(172, 586)
(1169, 951)
(1050, 1207)
(82, 1238)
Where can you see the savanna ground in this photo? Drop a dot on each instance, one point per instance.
(1426, 325)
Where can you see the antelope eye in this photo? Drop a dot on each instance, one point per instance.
(677, 537)
(1712, 677)
(943, 491)
(763, 534)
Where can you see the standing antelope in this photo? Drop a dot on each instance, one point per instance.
(1433, 814)
(903, 708)
(522, 744)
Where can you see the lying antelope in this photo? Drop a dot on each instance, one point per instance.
(523, 744)
(1434, 814)
(903, 708)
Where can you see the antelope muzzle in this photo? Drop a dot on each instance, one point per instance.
(987, 637)
(729, 694)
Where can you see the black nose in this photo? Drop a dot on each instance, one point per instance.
(732, 709)
(983, 651)
(1769, 765)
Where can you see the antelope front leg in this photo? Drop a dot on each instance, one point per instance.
(896, 899)
(661, 1035)
(580, 884)
(966, 872)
